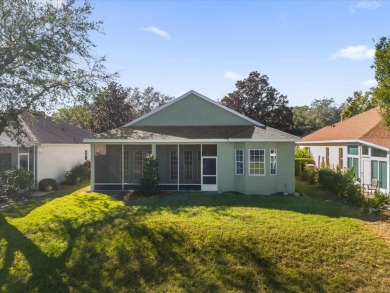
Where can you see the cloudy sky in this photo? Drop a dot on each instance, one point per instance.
(308, 49)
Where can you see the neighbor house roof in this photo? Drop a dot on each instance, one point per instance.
(42, 129)
(366, 126)
(180, 133)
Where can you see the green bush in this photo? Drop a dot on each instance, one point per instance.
(48, 182)
(300, 164)
(18, 182)
(76, 174)
(380, 199)
(341, 182)
(149, 181)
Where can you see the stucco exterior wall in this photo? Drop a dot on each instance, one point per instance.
(55, 160)
(192, 111)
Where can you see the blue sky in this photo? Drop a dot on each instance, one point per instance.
(308, 49)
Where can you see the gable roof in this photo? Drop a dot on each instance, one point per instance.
(42, 129)
(188, 133)
(366, 126)
(192, 92)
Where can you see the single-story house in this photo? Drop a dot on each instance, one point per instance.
(49, 148)
(361, 142)
(200, 145)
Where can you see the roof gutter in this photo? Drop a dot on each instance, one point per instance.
(94, 140)
(346, 141)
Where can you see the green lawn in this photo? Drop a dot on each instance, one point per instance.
(91, 242)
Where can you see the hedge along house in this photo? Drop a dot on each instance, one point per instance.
(49, 147)
(361, 142)
(200, 145)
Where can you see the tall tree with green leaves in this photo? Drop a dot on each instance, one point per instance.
(382, 76)
(255, 98)
(111, 109)
(359, 103)
(47, 57)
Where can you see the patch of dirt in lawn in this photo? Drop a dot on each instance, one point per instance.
(380, 228)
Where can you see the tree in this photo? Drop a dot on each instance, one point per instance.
(146, 101)
(47, 57)
(149, 181)
(111, 109)
(321, 113)
(382, 76)
(80, 116)
(256, 99)
(359, 103)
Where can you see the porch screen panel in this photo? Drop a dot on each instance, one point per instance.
(108, 165)
(173, 165)
(383, 175)
(5, 162)
(188, 165)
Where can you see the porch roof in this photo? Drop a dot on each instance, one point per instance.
(181, 133)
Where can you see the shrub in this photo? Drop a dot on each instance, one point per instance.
(76, 174)
(341, 182)
(380, 199)
(300, 164)
(18, 182)
(44, 183)
(149, 181)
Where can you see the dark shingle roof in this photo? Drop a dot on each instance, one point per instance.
(42, 129)
(194, 132)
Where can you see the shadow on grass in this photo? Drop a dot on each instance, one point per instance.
(22, 208)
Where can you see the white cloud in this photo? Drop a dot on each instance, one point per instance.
(354, 53)
(158, 32)
(365, 4)
(369, 83)
(232, 75)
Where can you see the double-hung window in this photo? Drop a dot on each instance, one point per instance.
(239, 162)
(273, 162)
(256, 162)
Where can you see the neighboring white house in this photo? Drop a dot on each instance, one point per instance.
(49, 149)
(361, 142)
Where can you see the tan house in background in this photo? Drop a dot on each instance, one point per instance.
(361, 142)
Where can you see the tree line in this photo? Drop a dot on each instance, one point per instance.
(48, 61)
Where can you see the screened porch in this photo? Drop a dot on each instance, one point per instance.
(181, 166)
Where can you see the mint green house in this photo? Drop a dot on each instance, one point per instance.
(200, 145)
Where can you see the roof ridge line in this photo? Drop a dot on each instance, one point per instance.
(371, 129)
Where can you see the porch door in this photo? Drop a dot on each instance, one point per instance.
(24, 161)
(366, 172)
(209, 174)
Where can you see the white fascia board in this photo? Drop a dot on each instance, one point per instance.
(344, 142)
(184, 140)
(200, 96)
(63, 144)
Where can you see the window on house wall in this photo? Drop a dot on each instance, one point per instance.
(353, 150)
(379, 172)
(341, 163)
(353, 163)
(5, 161)
(187, 165)
(327, 156)
(378, 153)
(173, 165)
(138, 165)
(365, 150)
(239, 162)
(273, 162)
(256, 162)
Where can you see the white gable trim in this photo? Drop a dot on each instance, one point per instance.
(186, 95)
(348, 141)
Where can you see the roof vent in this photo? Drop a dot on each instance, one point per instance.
(62, 128)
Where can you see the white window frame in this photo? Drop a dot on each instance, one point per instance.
(273, 159)
(261, 154)
(239, 161)
(188, 165)
(173, 163)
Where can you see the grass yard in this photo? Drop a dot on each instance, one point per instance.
(91, 242)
